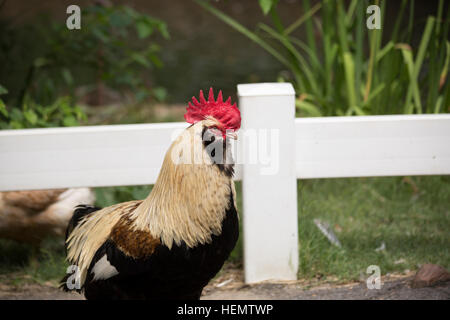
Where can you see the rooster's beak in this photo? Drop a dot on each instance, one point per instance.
(232, 135)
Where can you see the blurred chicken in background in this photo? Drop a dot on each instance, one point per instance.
(31, 216)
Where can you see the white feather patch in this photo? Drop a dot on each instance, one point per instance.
(103, 269)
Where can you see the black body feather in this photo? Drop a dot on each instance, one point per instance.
(81, 211)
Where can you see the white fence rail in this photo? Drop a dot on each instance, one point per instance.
(366, 146)
(83, 156)
(309, 148)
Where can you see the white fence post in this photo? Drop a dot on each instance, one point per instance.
(269, 186)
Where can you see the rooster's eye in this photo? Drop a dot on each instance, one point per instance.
(212, 132)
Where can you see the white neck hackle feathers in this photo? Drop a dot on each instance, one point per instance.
(187, 203)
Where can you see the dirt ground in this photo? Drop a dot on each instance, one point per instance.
(230, 286)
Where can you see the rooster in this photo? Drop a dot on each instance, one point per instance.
(171, 244)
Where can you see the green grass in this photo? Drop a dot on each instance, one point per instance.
(412, 219)
(411, 216)
(19, 263)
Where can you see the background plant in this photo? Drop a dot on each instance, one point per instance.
(61, 113)
(348, 69)
(115, 48)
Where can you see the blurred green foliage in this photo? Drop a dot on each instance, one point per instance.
(115, 47)
(61, 113)
(3, 110)
(344, 68)
(107, 196)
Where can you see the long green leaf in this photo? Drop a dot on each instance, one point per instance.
(439, 101)
(398, 21)
(409, 61)
(243, 30)
(373, 50)
(308, 108)
(375, 93)
(327, 34)
(444, 72)
(359, 49)
(349, 66)
(304, 65)
(313, 57)
(309, 27)
(351, 10)
(308, 14)
(413, 88)
(388, 47)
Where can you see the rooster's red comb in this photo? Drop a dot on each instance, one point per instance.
(229, 115)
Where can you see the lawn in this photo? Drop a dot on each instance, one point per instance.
(411, 216)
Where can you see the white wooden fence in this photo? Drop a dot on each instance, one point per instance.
(305, 148)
